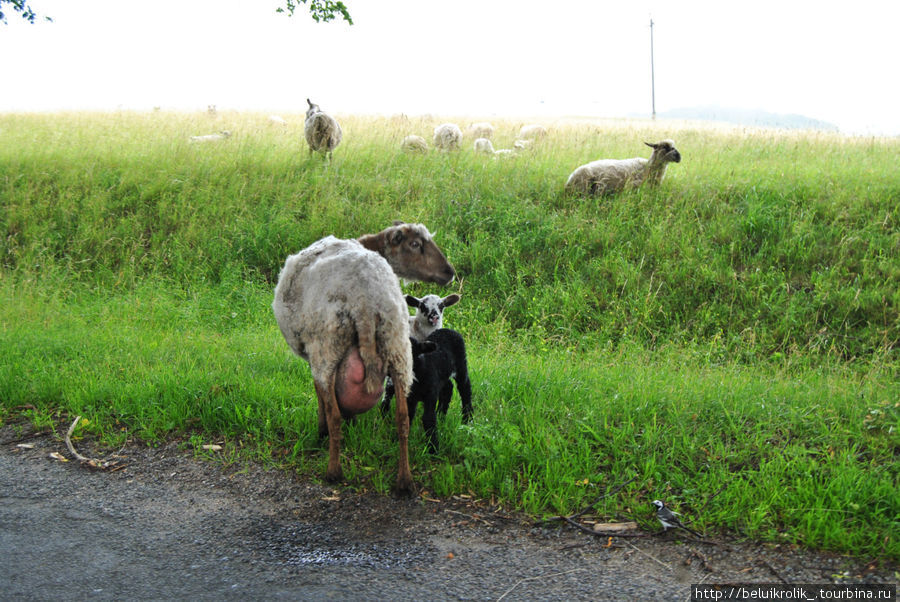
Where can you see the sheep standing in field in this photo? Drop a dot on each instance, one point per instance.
(483, 145)
(429, 314)
(212, 137)
(339, 306)
(441, 357)
(532, 132)
(414, 144)
(447, 137)
(323, 132)
(481, 130)
(277, 120)
(613, 175)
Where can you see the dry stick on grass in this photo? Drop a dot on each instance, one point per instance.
(571, 518)
(93, 463)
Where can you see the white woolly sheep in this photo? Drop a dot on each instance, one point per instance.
(429, 314)
(532, 132)
(323, 132)
(414, 144)
(482, 129)
(521, 145)
(613, 175)
(277, 120)
(339, 306)
(447, 137)
(212, 137)
(483, 145)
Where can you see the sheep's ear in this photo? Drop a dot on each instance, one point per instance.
(398, 222)
(450, 300)
(651, 145)
(309, 102)
(412, 301)
(397, 236)
(427, 347)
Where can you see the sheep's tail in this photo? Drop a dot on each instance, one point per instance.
(368, 351)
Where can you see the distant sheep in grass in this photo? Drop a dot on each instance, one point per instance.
(212, 137)
(339, 306)
(429, 314)
(482, 129)
(323, 132)
(277, 120)
(532, 132)
(441, 357)
(483, 145)
(447, 137)
(608, 176)
(414, 144)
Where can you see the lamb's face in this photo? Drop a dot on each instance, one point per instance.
(430, 308)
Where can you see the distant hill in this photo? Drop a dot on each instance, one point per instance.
(749, 117)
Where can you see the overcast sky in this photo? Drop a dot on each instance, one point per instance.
(837, 62)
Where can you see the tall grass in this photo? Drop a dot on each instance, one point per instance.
(735, 328)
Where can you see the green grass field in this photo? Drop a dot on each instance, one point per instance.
(728, 341)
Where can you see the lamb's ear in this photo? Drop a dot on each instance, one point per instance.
(398, 222)
(309, 102)
(413, 302)
(427, 347)
(450, 300)
(653, 146)
(397, 236)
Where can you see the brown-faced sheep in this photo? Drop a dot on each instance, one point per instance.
(339, 306)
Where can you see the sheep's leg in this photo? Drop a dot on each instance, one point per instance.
(323, 422)
(429, 421)
(464, 388)
(405, 484)
(444, 397)
(327, 398)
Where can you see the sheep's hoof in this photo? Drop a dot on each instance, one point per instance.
(405, 486)
(334, 475)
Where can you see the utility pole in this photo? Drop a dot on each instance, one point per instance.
(652, 72)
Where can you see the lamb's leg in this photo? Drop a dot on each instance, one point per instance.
(328, 399)
(429, 421)
(464, 388)
(405, 485)
(444, 396)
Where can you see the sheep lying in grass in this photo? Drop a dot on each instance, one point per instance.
(323, 132)
(414, 144)
(429, 314)
(532, 132)
(277, 120)
(481, 130)
(212, 137)
(441, 357)
(447, 137)
(339, 306)
(483, 145)
(613, 175)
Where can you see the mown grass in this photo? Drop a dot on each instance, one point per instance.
(732, 333)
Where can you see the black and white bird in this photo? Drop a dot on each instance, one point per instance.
(669, 519)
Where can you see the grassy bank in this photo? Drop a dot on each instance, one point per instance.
(734, 331)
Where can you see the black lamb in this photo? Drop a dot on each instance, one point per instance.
(439, 358)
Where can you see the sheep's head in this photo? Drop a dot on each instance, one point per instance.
(411, 253)
(313, 109)
(664, 151)
(431, 307)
